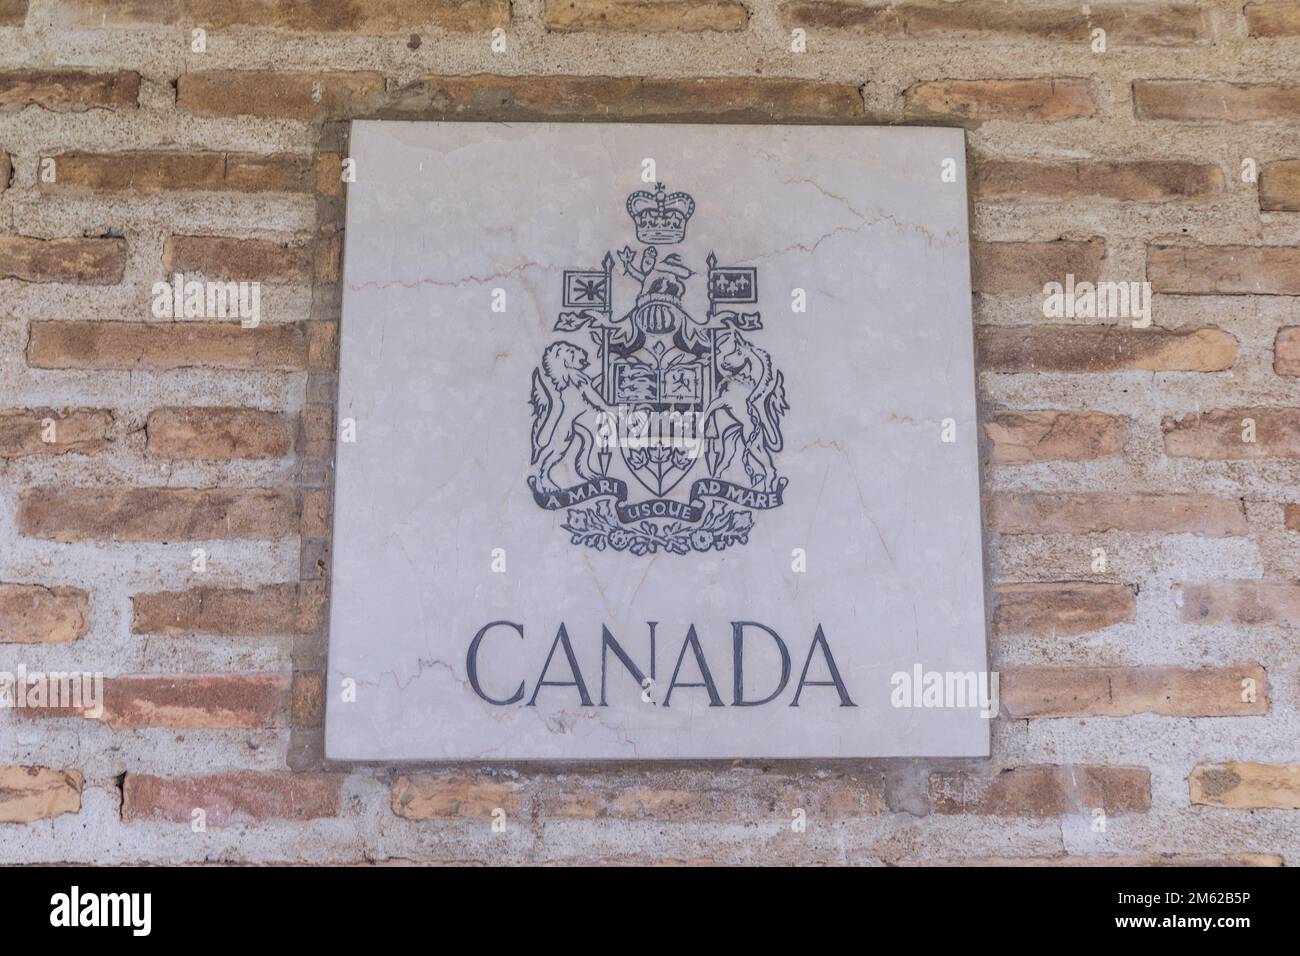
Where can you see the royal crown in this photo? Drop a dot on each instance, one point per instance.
(660, 217)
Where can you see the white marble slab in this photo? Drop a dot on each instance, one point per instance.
(840, 459)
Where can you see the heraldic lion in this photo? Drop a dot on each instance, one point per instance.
(563, 413)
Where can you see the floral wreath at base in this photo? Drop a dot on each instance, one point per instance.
(598, 527)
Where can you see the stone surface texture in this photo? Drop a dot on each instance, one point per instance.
(883, 509)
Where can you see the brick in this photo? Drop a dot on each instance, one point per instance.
(244, 260)
(322, 345)
(1246, 786)
(34, 614)
(746, 98)
(1279, 186)
(316, 513)
(161, 345)
(429, 796)
(151, 173)
(329, 175)
(682, 798)
(1124, 691)
(1021, 438)
(1013, 512)
(1224, 270)
(24, 431)
(1286, 351)
(1242, 602)
(1042, 101)
(230, 799)
(254, 701)
(662, 796)
(1273, 19)
(365, 17)
(13, 12)
(1042, 791)
(1104, 348)
(662, 804)
(38, 793)
(327, 259)
(156, 514)
(214, 432)
(74, 260)
(313, 602)
(1217, 102)
(299, 96)
(1142, 181)
(522, 98)
(1217, 435)
(68, 91)
(645, 16)
(1061, 608)
(265, 611)
(1155, 24)
(307, 699)
(1022, 268)
(318, 430)
(1291, 517)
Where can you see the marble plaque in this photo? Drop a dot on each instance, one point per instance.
(656, 441)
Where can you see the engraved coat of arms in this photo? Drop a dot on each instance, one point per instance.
(619, 426)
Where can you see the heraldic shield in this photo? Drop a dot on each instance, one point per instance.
(659, 397)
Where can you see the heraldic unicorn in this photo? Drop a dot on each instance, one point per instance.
(663, 389)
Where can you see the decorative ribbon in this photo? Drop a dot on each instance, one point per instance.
(691, 512)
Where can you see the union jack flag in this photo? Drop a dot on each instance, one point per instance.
(586, 290)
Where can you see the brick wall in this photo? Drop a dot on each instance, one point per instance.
(1150, 699)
